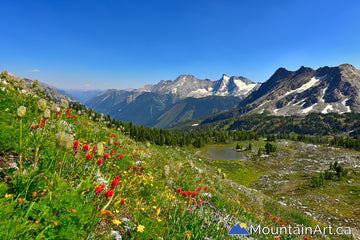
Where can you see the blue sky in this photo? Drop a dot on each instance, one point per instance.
(126, 44)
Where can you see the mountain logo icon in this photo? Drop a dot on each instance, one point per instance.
(238, 229)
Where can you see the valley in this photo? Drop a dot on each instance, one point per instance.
(285, 176)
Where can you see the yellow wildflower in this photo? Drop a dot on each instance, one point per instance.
(158, 212)
(116, 221)
(8, 195)
(140, 228)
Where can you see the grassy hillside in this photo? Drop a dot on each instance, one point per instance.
(64, 176)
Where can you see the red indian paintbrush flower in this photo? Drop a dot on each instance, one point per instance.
(184, 193)
(122, 201)
(74, 116)
(85, 148)
(116, 143)
(106, 156)
(76, 144)
(112, 152)
(206, 188)
(114, 183)
(128, 168)
(142, 168)
(134, 168)
(109, 193)
(88, 156)
(189, 193)
(199, 188)
(138, 173)
(194, 194)
(32, 127)
(99, 161)
(178, 190)
(120, 156)
(99, 189)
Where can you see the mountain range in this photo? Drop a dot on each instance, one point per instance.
(173, 101)
(170, 102)
(325, 90)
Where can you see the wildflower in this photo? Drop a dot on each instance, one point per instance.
(68, 117)
(128, 168)
(74, 117)
(122, 201)
(140, 228)
(199, 202)
(199, 188)
(99, 161)
(64, 104)
(178, 190)
(142, 168)
(114, 183)
(184, 193)
(306, 238)
(38, 125)
(206, 188)
(116, 221)
(94, 149)
(277, 238)
(68, 112)
(21, 111)
(41, 104)
(134, 168)
(267, 213)
(46, 114)
(281, 223)
(76, 144)
(34, 194)
(215, 213)
(99, 188)
(54, 108)
(64, 141)
(32, 127)
(116, 143)
(189, 193)
(7, 195)
(106, 156)
(194, 194)
(138, 173)
(203, 226)
(85, 148)
(50, 184)
(109, 193)
(88, 156)
(134, 155)
(117, 177)
(112, 152)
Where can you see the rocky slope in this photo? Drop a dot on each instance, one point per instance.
(325, 90)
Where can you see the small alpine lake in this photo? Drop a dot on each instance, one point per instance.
(219, 152)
